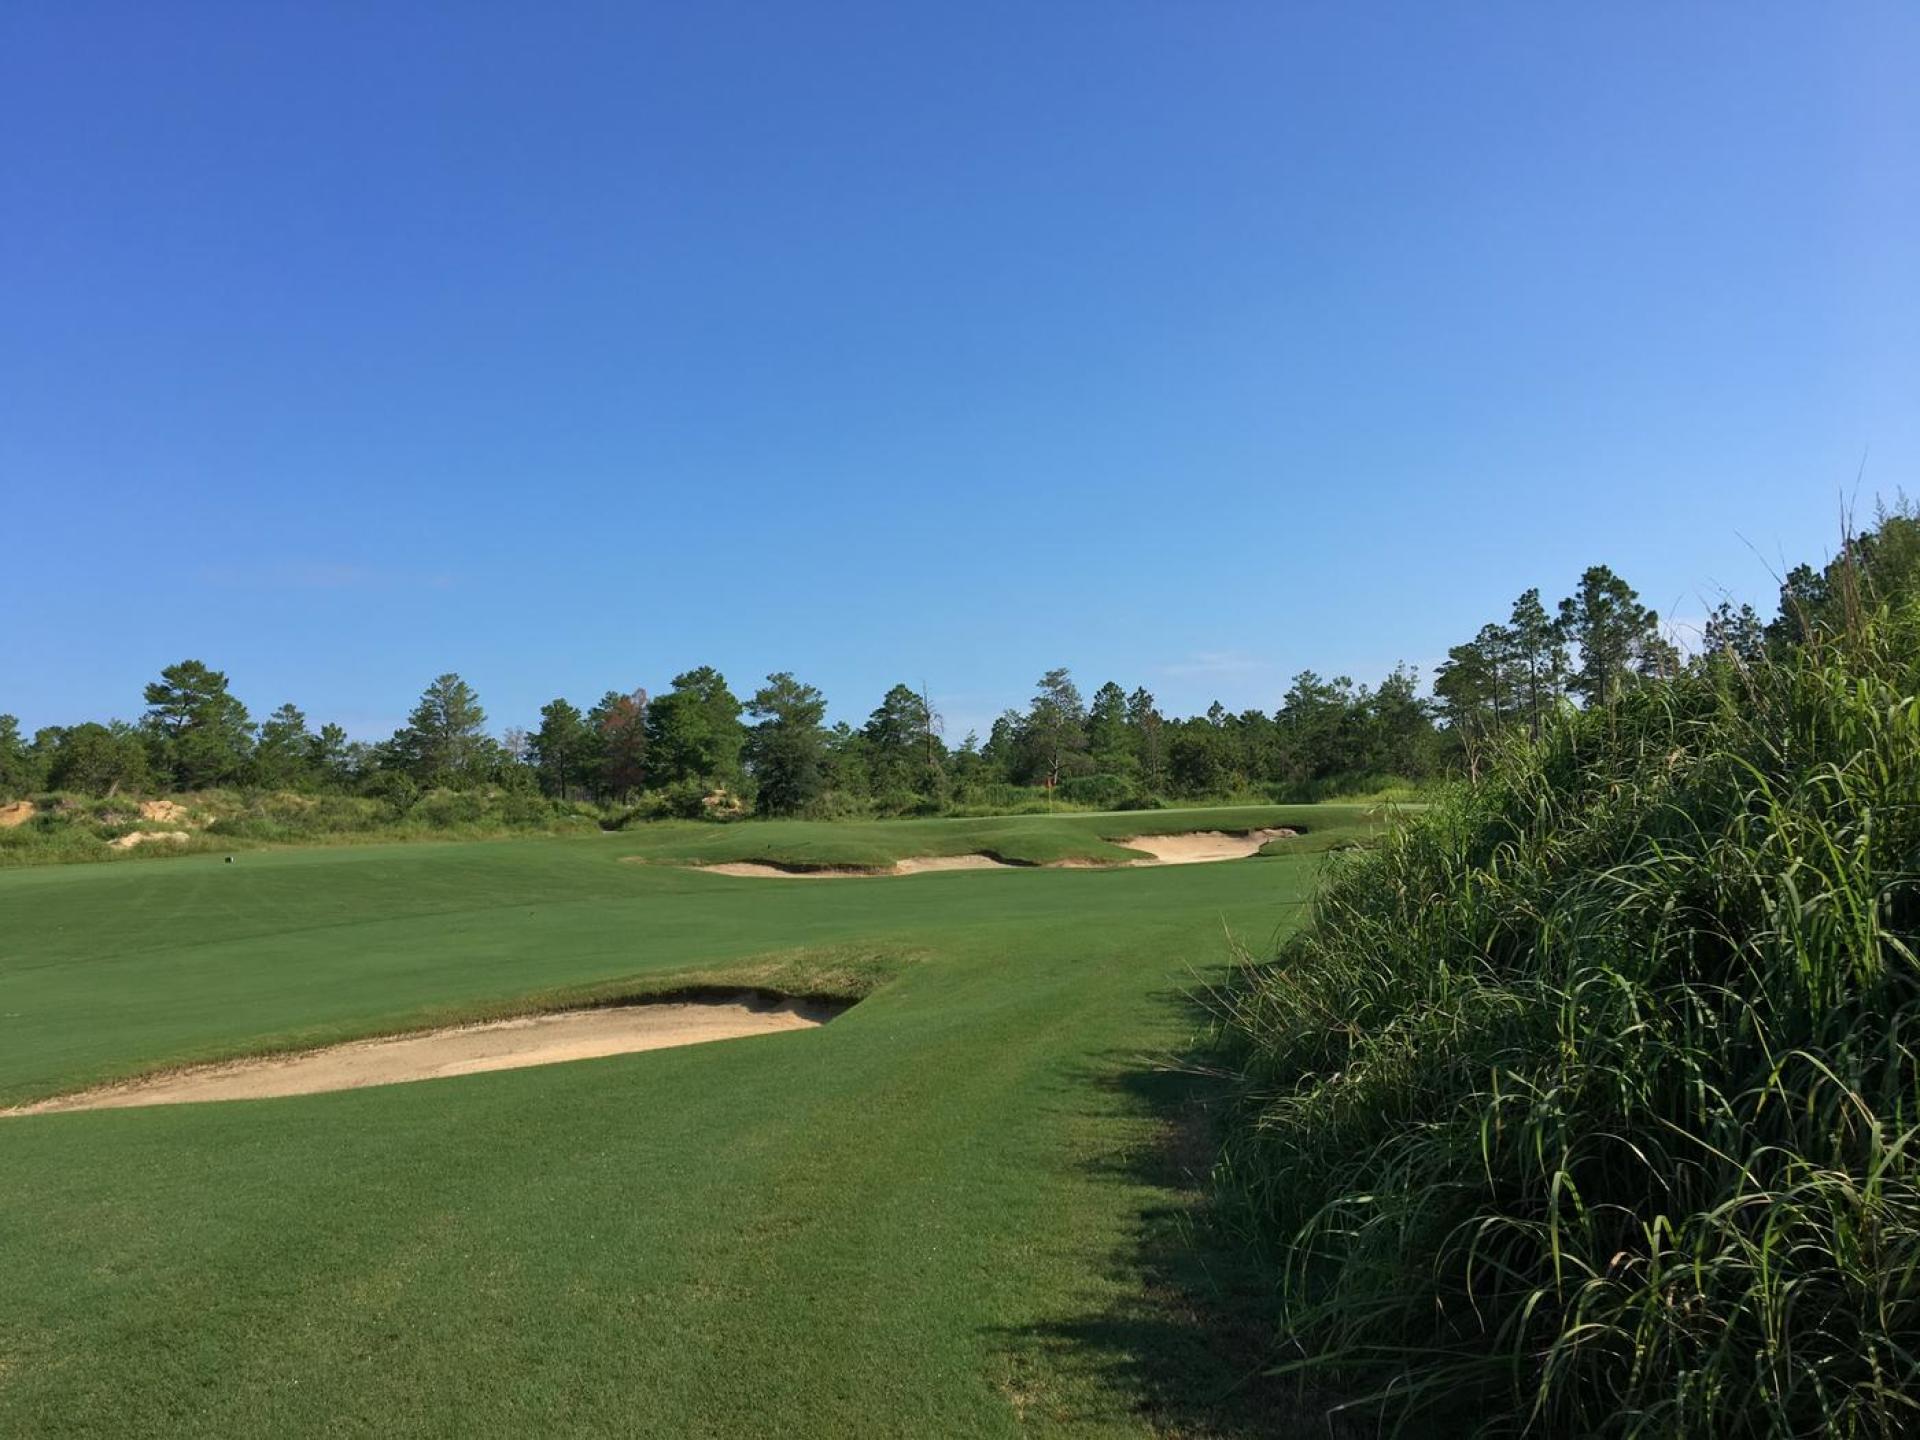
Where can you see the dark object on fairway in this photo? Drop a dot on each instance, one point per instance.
(229, 859)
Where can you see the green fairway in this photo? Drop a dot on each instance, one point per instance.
(930, 1216)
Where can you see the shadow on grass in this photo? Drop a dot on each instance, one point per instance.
(1189, 1344)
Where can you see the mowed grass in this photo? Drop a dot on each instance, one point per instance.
(932, 1216)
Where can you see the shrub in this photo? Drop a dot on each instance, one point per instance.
(1105, 791)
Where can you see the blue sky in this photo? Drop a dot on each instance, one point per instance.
(572, 346)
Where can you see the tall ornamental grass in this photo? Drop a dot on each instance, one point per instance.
(1587, 1104)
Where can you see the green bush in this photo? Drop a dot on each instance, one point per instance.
(1588, 1103)
(1109, 792)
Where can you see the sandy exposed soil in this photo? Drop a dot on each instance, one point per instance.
(1200, 846)
(463, 1050)
(165, 811)
(1195, 848)
(146, 837)
(16, 814)
(919, 865)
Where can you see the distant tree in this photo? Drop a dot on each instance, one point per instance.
(1195, 760)
(561, 748)
(1399, 726)
(845, 763)
(1538, 650)
(902, 745)
(94, 759)
(199, 732)
(444, 741)
(619, 723)
(693, 732)
(1000, 756)
(1467, 687)
(20, 767)
(1733, 634)
(1055, 728)
(786, 750)
(1321, 727)
(334, 760)
(1110, 739)
(516, 744)
(1618, 637)
(1149, 730)
(283, 756)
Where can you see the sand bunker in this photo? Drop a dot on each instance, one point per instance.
(16, 814)
(920, 865)
(1198, 847)
(462, 1050)
(1194, 848)
(146, 837)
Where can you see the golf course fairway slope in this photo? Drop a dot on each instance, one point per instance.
(947, 1212)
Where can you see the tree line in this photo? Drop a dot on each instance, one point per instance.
(699, 748)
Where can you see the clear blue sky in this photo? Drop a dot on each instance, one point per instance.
(1190, 345)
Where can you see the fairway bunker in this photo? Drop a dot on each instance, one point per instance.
(919, 865)
(526, 1040)
(1199, 847)
(1195, 847)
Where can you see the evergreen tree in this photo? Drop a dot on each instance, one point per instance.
(444, 741)
(786, 750)
(331, 758)
(20, 768)
(898, 754)
(1110, 740)
(1619, 638)
(1736, 635)
(693, 732)
(1538, 649)
(283, 757)
(1150, 743)
(1054, 733)
(561, 749)
(199, 732)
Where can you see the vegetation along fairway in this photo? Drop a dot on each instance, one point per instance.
(937, 1214)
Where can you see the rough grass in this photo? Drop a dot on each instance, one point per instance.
(1587, 1105)
(73, 829)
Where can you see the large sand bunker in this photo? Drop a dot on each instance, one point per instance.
(1192, 848)
(1197, 847)
(460, 1050)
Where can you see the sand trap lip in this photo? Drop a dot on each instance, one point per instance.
(1191, 848)
(1199, 847)
(526, 1040)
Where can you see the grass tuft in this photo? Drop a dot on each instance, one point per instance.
(1587, 1104)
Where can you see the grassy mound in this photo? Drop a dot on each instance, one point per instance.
(1588, 1103)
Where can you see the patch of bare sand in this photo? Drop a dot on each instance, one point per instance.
(1194, 848)
(1199, 847)
(17, 813)
(461, 1050)
(165, 811)
(146, 837)
(918, 865)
